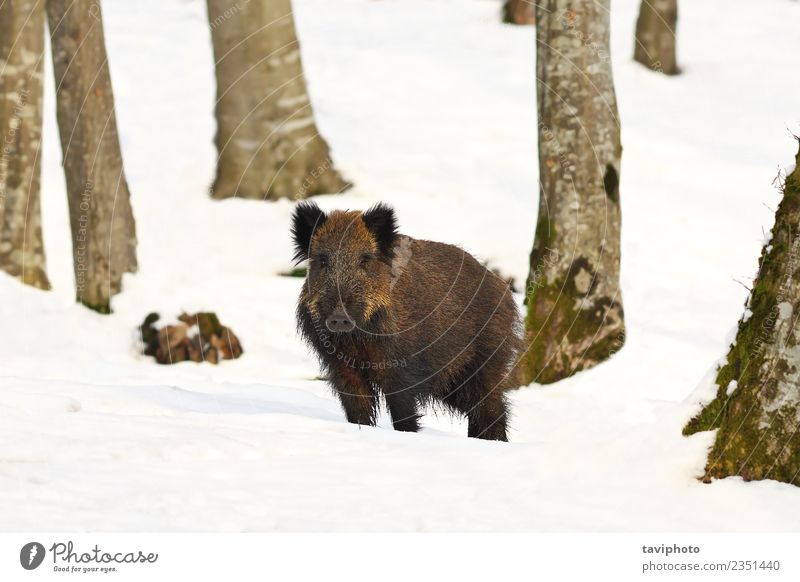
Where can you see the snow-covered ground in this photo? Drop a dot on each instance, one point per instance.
(429, 105)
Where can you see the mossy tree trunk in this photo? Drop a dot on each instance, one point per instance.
(103, 229)
(267, 140)
(519, 11)
(21, 47)
(655, 36)
(757, 406)
(575, 317)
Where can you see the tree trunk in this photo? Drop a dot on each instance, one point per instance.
(655, 36)
(519, 12)
(103, 229)
(575, 317)
(21, 48)
(757, 407)
(267, 141)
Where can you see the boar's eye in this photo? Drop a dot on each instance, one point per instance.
(321, 261)
(365, 259)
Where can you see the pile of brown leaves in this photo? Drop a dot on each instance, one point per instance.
(211, 342)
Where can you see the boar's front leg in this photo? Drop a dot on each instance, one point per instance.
(403, 408)
(359, 400)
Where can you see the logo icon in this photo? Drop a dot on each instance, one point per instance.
(31, 555)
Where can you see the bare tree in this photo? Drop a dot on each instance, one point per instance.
(267, 140)
(21, 47)
(103, 228)
(575, 317)
(519, 11)
(655, 36)
(757, 406)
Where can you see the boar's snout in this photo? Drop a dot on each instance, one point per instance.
(340, 322)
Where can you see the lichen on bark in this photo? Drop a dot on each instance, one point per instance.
(267, 140)
(756, 411)
(575, 318)
(21, 45)
(101, 216)
(656, 36)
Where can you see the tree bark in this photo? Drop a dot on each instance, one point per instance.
(103, 228)
(655, 36)
(757, 406)
(21, 47)
(267, 140)
(519, 11)
(575, 317)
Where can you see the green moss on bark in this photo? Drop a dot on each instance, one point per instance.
(102, 308)
(562, 336)
(757, 436)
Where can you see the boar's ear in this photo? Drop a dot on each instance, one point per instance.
(306, 219)
(382, 224)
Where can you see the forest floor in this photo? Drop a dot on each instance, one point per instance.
(428, 105)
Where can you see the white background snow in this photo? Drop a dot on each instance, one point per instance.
(429, 105)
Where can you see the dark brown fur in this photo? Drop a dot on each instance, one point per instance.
(431, 323)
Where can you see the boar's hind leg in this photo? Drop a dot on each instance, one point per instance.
(481, 398)
(487, 420)
(358, 399)
(403, 409)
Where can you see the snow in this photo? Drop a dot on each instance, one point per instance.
(429, 105)
(731, 387)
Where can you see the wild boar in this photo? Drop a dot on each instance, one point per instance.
(416, 321)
